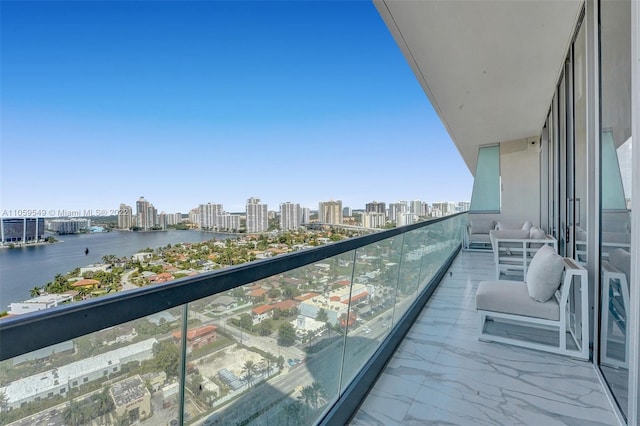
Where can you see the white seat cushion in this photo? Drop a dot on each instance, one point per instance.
(512, 297)
(479, 238)
(536, 233)
(544, 273)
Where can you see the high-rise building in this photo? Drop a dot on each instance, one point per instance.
(330, 212)
(209, 216)
(306, 215)
(373, 220)
(21, 229)
(406, 218)
(376, 207)
(426, 209)
(395, 209)
(152, 217)
(174, 218)
(416, 207)
(194, 216)
(68, 226)
(125, 217)
(347, 212)
(142, 213)
(229, 222)
(443, 208)
(290, 216)
(257, 219)
(171, 219)
(463, 206)
(162, 220)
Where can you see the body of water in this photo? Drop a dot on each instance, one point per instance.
(24, 268)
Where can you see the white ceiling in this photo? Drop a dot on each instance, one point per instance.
(489, 68)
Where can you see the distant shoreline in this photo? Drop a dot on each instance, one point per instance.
(23, 245)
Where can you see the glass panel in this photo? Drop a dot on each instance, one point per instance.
(554, 180)
(562, 166)
(120, 375)
(578, 203)
(615, 104)
(613, 192)
(486, 185)
(544, 177)
(413, 249)
(371, 307)
(277, 351)
(441, 239)
(271, 350)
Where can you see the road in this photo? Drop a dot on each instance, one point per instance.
(126, 283)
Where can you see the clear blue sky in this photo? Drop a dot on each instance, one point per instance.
(190, 102)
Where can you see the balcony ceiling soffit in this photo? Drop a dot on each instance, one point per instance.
(489, 68)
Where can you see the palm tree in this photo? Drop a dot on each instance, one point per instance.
(83, 292)
(35, 292)
(320, 392)
(4, 402)
(309, 396)
(280, 362)
(249, 369)
(60, 279)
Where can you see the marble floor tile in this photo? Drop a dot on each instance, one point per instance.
(442, 373)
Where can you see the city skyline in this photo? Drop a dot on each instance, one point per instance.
(219, 207)
(274, 98)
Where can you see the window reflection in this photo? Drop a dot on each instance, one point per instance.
(615, 225)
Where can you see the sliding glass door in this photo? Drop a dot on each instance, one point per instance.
(615, 204)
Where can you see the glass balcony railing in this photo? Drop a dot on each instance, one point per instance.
(287, 340)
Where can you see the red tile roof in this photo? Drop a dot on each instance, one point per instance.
(306, 296)
(196, 332)
(259, 310)
(85, 283)
(357, 297)
(285, 304)
(259, 292)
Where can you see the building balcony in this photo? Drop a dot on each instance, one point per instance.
(189, 352)
(442, 374)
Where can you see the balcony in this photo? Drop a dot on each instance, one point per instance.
(442, 374)
(196, 351)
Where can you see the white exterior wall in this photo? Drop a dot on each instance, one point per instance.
(257, 220)
(311, 307)
(373, 220)
(406, 219)
(520, 181)
(290, 216)
(38, 303)
(43, 384)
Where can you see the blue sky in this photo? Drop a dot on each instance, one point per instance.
(190, 102)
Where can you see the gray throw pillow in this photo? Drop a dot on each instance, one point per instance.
(481, 225)
(544, 274)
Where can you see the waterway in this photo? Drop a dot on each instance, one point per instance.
(24, 268)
